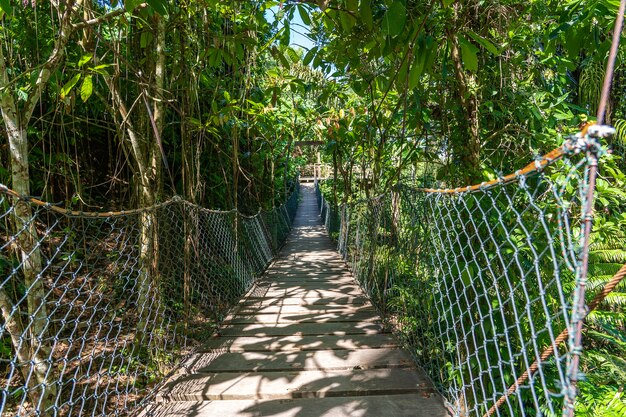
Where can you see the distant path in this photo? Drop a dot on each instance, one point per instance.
(305, 342)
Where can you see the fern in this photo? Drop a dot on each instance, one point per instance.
(608, 255)
(605, 341)
(601, 318)
(620, 135)
(602, 393)
(590, 83)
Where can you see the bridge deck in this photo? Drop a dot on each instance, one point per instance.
(305, 342)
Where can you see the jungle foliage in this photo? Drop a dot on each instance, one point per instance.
(110, 104)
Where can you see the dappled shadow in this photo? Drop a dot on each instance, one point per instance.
(305, 342)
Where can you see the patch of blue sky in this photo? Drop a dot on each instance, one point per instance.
(298, 29)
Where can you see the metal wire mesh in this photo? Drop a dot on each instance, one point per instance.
(329, 214)
(98, 308)
(478, 282)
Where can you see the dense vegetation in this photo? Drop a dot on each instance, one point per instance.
(111, 104)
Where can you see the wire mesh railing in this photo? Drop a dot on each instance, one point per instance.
(329, 214)
(481, 282)
(97, 308)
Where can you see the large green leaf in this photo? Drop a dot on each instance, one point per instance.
(394, 19)
(5, 6)
(160, 6)
(285, 38)
(352, 5)
(347, 21)
(416, 72)
(293, 55)
(485, 43)
(84, 59)
(469, 54)
(130, 5)
(366, 14)
(304, 15)
(86, 89)
(65, 90)
(145, 39)
(309, 56)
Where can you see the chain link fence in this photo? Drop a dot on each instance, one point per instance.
(98, 308)
(329, 214)
(479, 282)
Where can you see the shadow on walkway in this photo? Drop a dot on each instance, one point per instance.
(305, 342)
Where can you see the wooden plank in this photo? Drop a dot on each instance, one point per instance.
(214, 362)
(308, 317)
(302, 384)
(291, 342)
(422, 404)
(285, 329)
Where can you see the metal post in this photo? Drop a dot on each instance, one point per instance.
(580, 307)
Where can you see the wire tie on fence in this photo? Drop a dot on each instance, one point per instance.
(569, 392)
(576, 350)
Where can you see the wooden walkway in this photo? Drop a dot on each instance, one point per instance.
(305, 342)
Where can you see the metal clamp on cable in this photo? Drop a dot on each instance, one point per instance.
(601, 131)
(587, 139)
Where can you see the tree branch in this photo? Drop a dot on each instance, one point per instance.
(105, 17)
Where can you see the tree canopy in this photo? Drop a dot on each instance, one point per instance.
(120, 104)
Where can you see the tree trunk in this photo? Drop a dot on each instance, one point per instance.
(466, 145)
(30, 256)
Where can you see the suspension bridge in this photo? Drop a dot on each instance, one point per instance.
(433, 302)
(305, 341)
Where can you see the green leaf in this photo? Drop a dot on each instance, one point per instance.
(130, 5)
(402, 79)
(5, 6)
(394, 19)
(366, 14)
(561, 28)
(446, 3)
(317, 61)
(84, 59)
(309, 56)
(304, 15)
(87, 88)
(347, 21)
(293, 55)
(285, 38)
(415, 72)
(283, 60)
(484, 43)
(430, 51)
(145, 39)
(102, 69)
(352, 5)
(22, 95)
(69, 85)
(469, 53)
(160, 6)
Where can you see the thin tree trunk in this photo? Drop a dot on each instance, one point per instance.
(28, 246)
(466, 146)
